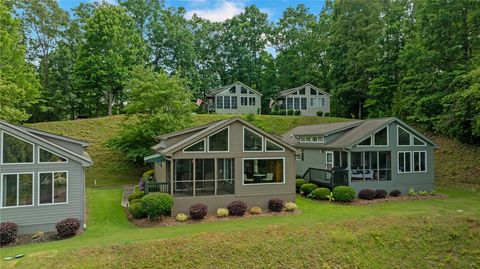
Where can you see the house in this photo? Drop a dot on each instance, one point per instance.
(382, 153)
(236, 98)
(222, 162)
(307, 98)
(42, 178)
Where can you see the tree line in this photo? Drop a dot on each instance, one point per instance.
(414, 59)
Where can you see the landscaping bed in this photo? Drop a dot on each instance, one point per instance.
(399, 198)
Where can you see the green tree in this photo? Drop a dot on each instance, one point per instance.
(163, 105)
(19, 86)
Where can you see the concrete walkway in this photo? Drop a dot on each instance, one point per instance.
(127, 191)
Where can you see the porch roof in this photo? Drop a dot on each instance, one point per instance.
(154, 158)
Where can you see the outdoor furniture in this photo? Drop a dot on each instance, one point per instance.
(359, 174)
(269, 178)
(259, 177)
(248, 180)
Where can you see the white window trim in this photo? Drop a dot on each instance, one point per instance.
(243, 140)
(228, 143)
(216, 102)
(1, 153)
(320, 139)
(404, 161)
(38, 156)
(263, 158)
(413, 161)
(18, 178)
(268, 140)
(388, 138)
(366, 146)
(421, 140)
(204, 147)
(410, 137)
(326, 158)
(53, 188)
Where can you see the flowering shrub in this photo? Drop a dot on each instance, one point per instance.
(181, 217)
(290, 206)
(222, 212)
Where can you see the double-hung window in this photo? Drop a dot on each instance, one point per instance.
(404, 162)
(17, 189)
(53, 188)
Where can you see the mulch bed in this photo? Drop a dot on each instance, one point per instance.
(391, 199)
(171, 221)
(34, 238)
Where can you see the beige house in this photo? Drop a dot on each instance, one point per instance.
(306, 98)
(236, 98)
(222, 162)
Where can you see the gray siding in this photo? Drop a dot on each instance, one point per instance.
(77, 148)
(256, 109)
(310, 111)
(43, 217)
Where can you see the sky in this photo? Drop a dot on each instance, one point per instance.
(220, 10)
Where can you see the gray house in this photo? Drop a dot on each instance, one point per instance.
(42, 178)
(307, 98)
(221, 162)
(236, 98)
(381, 153)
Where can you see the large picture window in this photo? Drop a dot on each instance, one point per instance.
(219, 141)
(17, 189)
(252, 141)
(16, 150)
(53, 187)
(46, 156)
(263, 171)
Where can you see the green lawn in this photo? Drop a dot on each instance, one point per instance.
(418, 234)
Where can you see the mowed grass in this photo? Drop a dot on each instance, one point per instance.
(111, 168)
(412, 234)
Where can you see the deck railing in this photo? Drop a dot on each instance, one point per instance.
(156, 187)
(326, 178)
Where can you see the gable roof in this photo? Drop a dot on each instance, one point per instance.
(52, 135)
(215, 91)
(58, 149)
(325, 128)
(215, 126)
(287, 92)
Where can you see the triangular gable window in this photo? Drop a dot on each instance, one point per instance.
(50, 157)
(197, 147)
(218, 141)
(251, 140)
(272, 146)
(418, 142)
(16, 150)
(403, 137)
(381, 137)
(366, 142)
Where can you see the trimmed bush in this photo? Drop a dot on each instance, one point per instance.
(237, 208)
(297, 112)
(148, 174)
(255, 210)
(290, 206)
(319, 113)
(290, 112)
(198, 211)
(8, 233)
(157, 204)
(307, 188)
(275, 205)
(136, 195)
(327, 114)
(367, 194)
(137, 211)
(299, 183)
(282, 112)
(274, 112)
(68, 227)
(395, 193)
(320, 193)
(135, 201)
(180, 217)
(343, 194)
(380, 194)
(222, 212)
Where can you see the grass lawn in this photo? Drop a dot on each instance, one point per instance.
(418, 234)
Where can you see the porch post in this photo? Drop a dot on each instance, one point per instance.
(215, 175)
(172, 167)
(193, 177)
(349, 166)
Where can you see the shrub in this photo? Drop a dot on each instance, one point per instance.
(380, 194)
(319, 113)
(320, 193)
(180, 217)
(290, 112)
(290, 206)
(423, 193)
(282, 112)
(157, 204)
(68, 227)
(8, 232)
(275, 205)
(135, 201)
(222, 212)
(411, 192)
(148, 174)
(327, 114)
(137, 211)
(298, 112)
(343, 194)
(299, 183)
(274, 112)
(367, 194)
(395, 193)
(307, 188)
(198, 211)
(136, 195)
(237, 208)
(255, 210)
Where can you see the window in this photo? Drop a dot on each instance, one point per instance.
(244, 101)
(419, 161)
(329, 159)
(52, 188)
(371, 165)
(232, 90)
(243, 90)
(46, 156)
(225, 177)
(366, 143)
(263, 171)
(234, 102)
(296, 103)
(403, 137)
(250, 92)
(204, 177)
(16, 150)
(219, 101)
(311, 139)
(290, 103)
(219, 141)
(303, 103)
(313, 92)
(418, 142)
(17, 189)
(197, 147)
(302, 91)
(226, 102)
(251, 101)
(252, 141)
(183, 183)
(272, 146)
(300, 157)
(317, 102)
(404, 162)
(381, 137)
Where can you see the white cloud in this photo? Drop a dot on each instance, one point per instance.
(220, 12)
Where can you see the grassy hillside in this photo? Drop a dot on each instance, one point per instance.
(111, 168)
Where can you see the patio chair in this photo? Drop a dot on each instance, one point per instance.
(268, 178)
(248, 180)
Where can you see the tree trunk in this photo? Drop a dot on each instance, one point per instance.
(110, 102)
